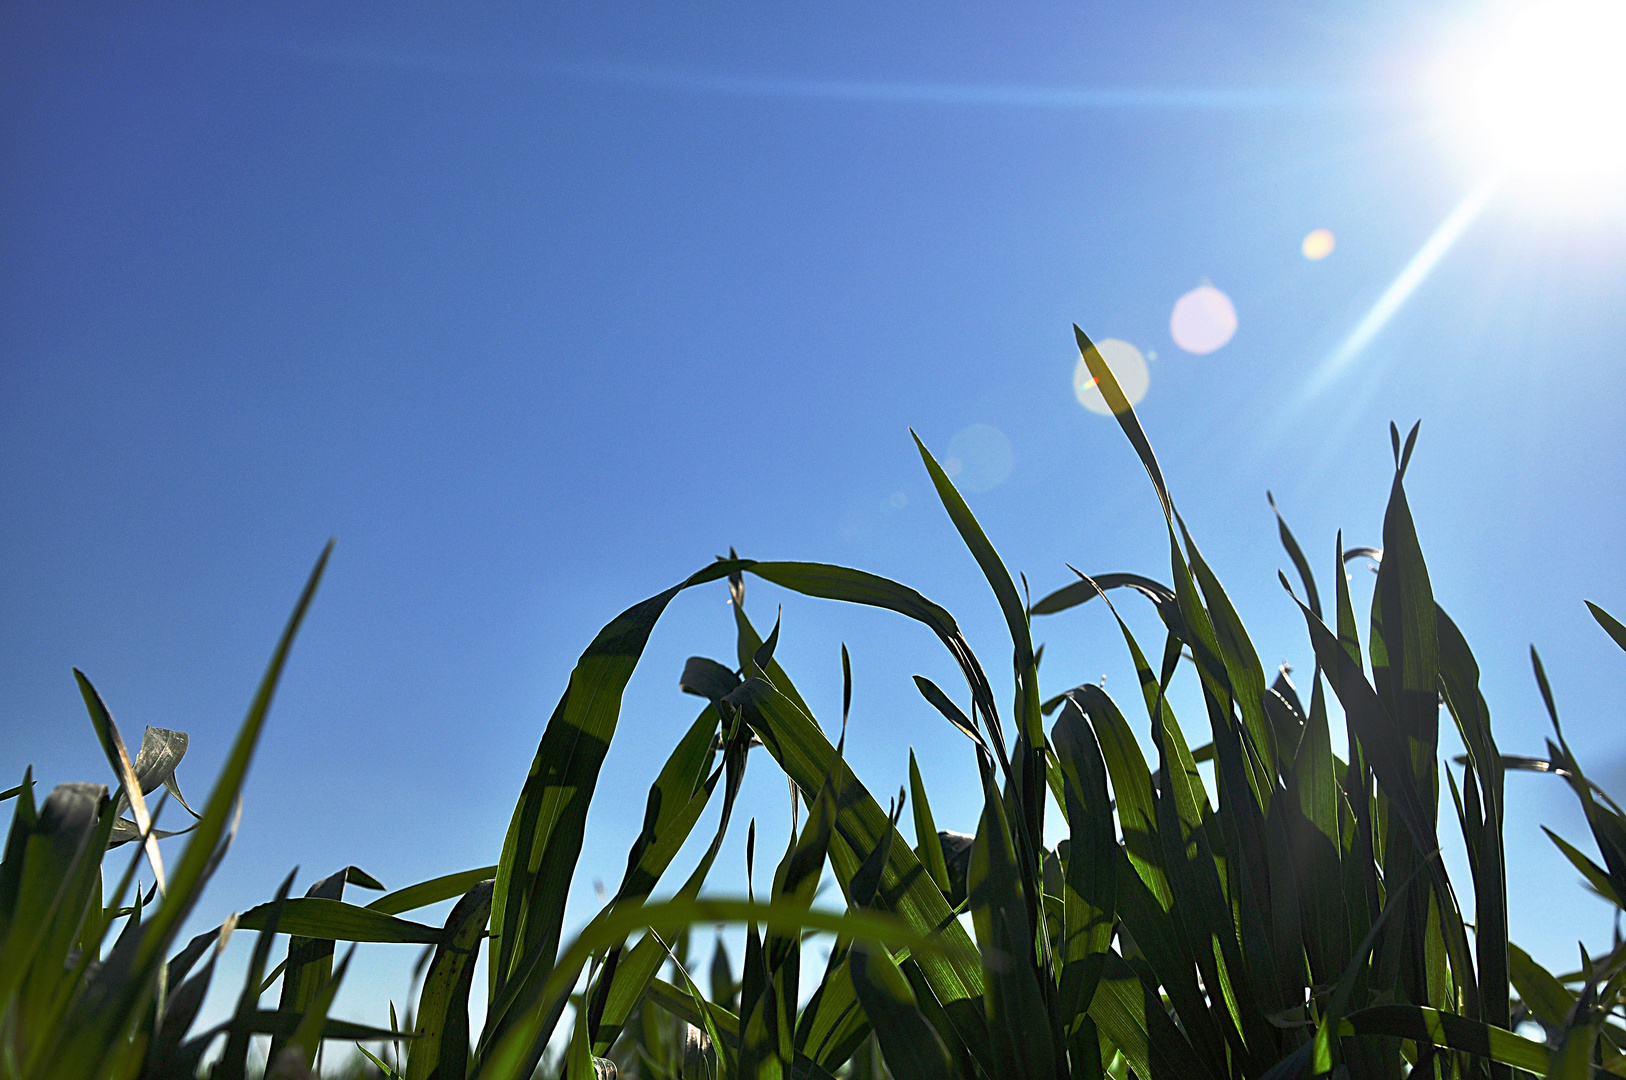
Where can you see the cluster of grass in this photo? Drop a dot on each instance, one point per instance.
(1299, 926)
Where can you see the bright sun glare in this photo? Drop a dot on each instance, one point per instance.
(1540, 91)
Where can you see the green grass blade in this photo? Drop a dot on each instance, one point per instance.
(1069, 596)
(928, 846)
(130, 785)
(807, 757)
(858, 587)
(320, 917)
(1018, 1019)
(508, 1059)
(1540, 991)
(544, 835)
(57, 843)
(1430, 1026)
(1312, 791)
(1595, 875)
(309, 964)
(908, 1043)
(233, 1063)
(1090, 877)
(1131, 1014)
(1610, 624)
(441, 1048)
(432, 891)
(1291, 545)
(307, 1037)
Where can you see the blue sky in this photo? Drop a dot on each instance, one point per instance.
(538, 311)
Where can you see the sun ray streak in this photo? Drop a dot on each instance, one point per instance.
(1399, 291)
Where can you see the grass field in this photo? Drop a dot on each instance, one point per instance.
(1294, 922)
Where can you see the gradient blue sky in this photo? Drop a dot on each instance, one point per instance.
(538, 309)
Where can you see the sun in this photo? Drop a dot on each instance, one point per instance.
(1538, 92)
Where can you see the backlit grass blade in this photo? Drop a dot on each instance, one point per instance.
(319, 917)
(441, 1024)
(181, 1009)
(1244, 674)
(1030, 771)
(1018, 1020)
(233, 1063)
(1069, 596)
(909, 1044)
(721, 1026)
(859, 587)
(675, 802)
(1131, 1014)
(432, 891)
(1291, 545)
(928, 846)
(307, 1037)
(802, 750)
(1540, 991)
(59, 857)
(1313, 795)
(1182, 813)
(119, 758)
(638, 966)
(544, 835)
(1430, 1026)
(309, 964)
(1459, 686)
(1090, 876)
(1131, 784)
(1595, 875)
(1611, 625)
(508, 1059)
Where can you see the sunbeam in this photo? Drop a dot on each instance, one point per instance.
(1399, 291)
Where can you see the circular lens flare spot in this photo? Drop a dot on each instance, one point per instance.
(1318, 244)
(982, 458)
(1127, 366)
(1203, 320)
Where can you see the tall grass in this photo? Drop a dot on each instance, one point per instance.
(1296, 922)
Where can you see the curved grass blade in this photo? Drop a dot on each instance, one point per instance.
(1131, 1014)
(1540, 991)
(908, 1043)
(308, 968)
(807, 757)
(320, 917)
(1291, 545)
(1070, 596)
(129, 784)
(1090, 874)
(508, 1058)
(1443, 1029)
(441, 1049)
(432, 891)
(1018, 1019)
(233, 1063)
(544, 835)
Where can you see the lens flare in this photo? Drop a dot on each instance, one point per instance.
(979, 458)
(1127, 366)
(1318, 244)
(1203, 320)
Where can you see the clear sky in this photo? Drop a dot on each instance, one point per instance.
(538, 308)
